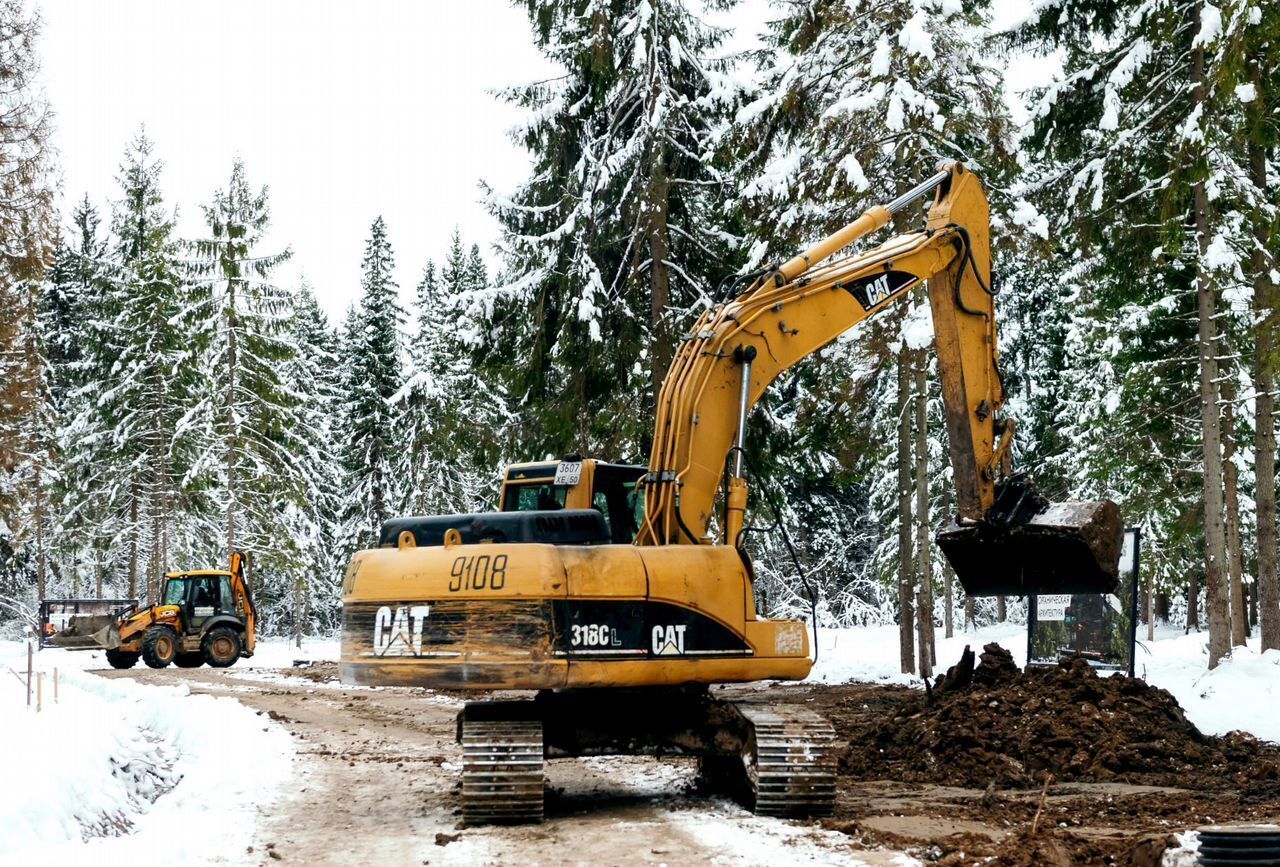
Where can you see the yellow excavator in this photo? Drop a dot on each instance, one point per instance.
(204, 616)
(621, 612)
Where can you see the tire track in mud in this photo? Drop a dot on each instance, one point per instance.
(376, 782)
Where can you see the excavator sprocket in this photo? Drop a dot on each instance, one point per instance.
(791, 762)
(502, 778)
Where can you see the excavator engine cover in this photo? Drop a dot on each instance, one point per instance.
(1063, 548)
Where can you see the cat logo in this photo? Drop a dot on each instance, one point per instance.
(399, 634)
(668, 640)
(878, 288)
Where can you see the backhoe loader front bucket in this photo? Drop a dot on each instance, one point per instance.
(88, 632)
(1063, 548)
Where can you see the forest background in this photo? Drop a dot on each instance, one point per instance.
(165, 398)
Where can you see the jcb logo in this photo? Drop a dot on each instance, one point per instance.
(668, 640)
(399, 634)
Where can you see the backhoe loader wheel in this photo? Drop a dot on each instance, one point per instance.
(159, 646)
(189, 660)
(221, 647)
(122, 658)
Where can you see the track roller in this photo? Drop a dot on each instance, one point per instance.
(502, 776)
(790, 761)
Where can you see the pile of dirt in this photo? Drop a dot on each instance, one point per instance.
(993, 725)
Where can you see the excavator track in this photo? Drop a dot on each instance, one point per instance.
(791, 761)
(502, 776)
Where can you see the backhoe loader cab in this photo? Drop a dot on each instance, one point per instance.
(203, 616)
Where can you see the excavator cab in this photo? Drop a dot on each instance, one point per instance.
(575, 482)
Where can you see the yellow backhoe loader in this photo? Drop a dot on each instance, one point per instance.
(203, 616)
(619, 616)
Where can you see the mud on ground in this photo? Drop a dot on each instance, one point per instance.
(1103, 768)
(377, 770)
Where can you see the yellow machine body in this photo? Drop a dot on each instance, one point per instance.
(538, 616)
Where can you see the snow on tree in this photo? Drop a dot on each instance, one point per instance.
(622, 228)
(451, 417)
(251, 403)
(151, 452)
(371, 350)
(857, 102)
(27, 234)
(1137, 162)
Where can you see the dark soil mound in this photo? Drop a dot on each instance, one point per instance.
(994, 725)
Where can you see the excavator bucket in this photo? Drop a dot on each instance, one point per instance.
(87, 632)
(1064, 548)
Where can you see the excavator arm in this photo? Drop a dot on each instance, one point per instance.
(737, 349)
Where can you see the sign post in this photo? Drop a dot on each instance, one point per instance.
(1102, 628)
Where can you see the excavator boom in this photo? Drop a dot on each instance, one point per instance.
(1005, 539)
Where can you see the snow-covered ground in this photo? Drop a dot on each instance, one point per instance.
(113, 765)
(1241, 693)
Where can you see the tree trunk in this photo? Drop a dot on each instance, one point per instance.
(1216, 597)
(99, 568)
(906, 592)
(298, 597)
(133, 541)
(659, 273)
(924, 560)
(1002, 610)
(233, 443)
(1193, 602)
(970, 614)
(42, 583)
(1151, 609)
(1264, 314)
(1231, 500)
(948, 576)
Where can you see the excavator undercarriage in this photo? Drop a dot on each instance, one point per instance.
(776, 760)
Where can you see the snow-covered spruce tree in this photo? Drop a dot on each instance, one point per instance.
(27, 234)
(1135, 160)
(249, 400)
(314, 370)
(857, 103)
(623, 226)
(372, 377)
(82, 334)
(451, 417)
(147, 405)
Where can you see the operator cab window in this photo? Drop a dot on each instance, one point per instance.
(228, 602)
(536, 497)
(175, 591)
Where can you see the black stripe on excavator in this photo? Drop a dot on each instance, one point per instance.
(874, 290)
(573, 629)
(638, 629)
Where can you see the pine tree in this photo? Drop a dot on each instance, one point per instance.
(621, 229)
(452, 418)
(373, 377)
(27, 234)
(154, 447)
(314, 523)
(1136, 157)
(858, 102)
(250, 400)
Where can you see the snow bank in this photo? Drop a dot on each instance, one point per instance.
(115, 765)
(1240, 694)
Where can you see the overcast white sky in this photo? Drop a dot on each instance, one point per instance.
(345, 109)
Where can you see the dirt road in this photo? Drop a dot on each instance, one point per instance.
(376, 783)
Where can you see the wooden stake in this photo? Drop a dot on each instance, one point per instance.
(55, 685)
(28, 674)
(1044, 795)
(39, 691)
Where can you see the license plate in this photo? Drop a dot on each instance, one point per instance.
(568, 473)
